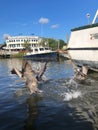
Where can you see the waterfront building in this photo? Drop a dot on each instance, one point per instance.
(16, 43)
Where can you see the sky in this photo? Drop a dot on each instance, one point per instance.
(45, 18)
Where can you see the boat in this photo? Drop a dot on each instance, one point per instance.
(41, 53)
(29, 46)
(83, 45)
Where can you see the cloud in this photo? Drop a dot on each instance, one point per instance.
(43, 20)
(55, 26)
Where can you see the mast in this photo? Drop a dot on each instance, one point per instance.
(96, 15)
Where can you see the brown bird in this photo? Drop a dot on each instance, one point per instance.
(29, 75)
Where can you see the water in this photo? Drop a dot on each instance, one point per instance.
(64, 104)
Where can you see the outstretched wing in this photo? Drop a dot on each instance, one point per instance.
(17, 72)
(40, 74)
(26, 69)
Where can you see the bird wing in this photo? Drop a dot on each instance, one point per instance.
(26, 69)
(17, 72)
(40, 74)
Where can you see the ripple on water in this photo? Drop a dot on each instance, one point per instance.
(63, 104)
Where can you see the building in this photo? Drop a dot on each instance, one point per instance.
(17, 43)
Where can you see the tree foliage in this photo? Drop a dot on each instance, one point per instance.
(26, 45)
(54, 44)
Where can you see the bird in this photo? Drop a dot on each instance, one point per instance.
(29, 75)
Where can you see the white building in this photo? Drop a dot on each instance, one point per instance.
(17, 42)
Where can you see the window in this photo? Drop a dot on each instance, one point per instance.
(12, 45)
(17, 40)
(46, 48)
(18, 45)
(41, 49)
(36, 50)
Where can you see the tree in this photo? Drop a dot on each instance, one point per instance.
(43, 42)
(26, 45)
(61, 44)
(52, 43)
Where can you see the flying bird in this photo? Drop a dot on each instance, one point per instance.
(29, 75)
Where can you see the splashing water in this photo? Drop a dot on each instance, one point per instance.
(71, 95)
(72, 90)
(72, 84)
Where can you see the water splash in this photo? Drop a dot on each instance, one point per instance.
(72, 90)
(71, 95)
(72, 84)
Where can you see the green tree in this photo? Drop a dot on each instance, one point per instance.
(26, 45)
(61, 44)
(52, 43)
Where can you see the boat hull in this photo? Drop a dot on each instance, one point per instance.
(43, 56)
(83, 45)
(85, 57)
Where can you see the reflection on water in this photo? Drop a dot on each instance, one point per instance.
(33, 111)
(64, 103)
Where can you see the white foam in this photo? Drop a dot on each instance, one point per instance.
(71, 95)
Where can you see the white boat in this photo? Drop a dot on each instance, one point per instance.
(16, 44)
(83, 45)
(41, 53)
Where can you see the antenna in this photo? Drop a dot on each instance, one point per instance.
(96, 15)
(88, 16)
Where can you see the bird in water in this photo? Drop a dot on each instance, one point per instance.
(29, 75)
